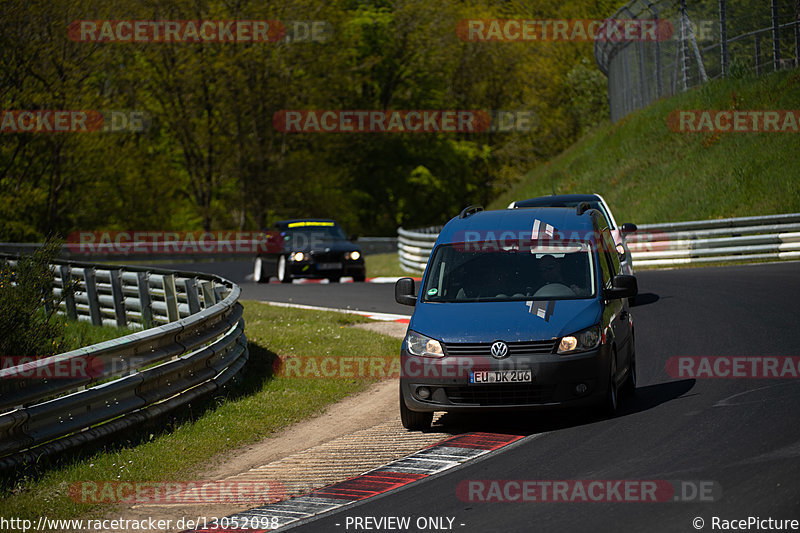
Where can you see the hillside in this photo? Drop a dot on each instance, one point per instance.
(648, 173)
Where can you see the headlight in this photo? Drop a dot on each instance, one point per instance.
(584, 340)
(423, 346)
(299, 256)
(353, 256)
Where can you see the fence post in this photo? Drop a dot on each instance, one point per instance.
(776, 36)
(657, 44)
(684, 55)
(797, 33)
(723, 38)
(758, 54)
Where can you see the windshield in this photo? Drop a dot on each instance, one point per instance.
(312, 236)
(469, 273)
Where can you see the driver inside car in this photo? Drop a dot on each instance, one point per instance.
(551, 273)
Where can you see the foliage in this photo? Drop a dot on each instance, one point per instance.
(27, 307)
(210, 157)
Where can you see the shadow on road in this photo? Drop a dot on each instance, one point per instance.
(530, 422)
(645, 298)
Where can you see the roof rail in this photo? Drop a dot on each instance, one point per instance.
(582, 208)
(470, 210)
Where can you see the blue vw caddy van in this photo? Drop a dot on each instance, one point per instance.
(518, 309)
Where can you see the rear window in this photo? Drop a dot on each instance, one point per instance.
(462, 272)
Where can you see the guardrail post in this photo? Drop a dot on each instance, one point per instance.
(68, 295)
(118, 297)
(209, 298)
(91, 294)
(170, 297)
(190, 285)
(143, 286)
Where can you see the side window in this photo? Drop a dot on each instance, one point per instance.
(611, 251)
(605, 270)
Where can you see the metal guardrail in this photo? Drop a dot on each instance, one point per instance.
(669, 244)
(115, 385)
(414, 247)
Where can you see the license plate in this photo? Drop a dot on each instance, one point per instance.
(329, 266)
(501, 376)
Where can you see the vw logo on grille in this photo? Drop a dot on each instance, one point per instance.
(499, 350)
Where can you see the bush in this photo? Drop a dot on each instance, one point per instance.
(27, 308)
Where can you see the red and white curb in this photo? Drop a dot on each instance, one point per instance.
(386, 317)
(446, 454)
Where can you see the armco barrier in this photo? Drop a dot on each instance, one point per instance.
(670, 244)
(197, 348)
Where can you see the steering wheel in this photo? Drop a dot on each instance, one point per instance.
(554, 290)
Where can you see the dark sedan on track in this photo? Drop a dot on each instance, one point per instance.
(310, 248)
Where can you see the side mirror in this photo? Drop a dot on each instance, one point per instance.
(622, 286)
(628, 227)
(404, 292)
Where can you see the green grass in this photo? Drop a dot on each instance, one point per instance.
(78, 334)
(648, 173)
(259, 405)
(384, 265)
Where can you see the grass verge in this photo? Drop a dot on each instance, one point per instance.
(178, 449)
(385, 265)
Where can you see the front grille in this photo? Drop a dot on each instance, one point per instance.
(328, 257)
(500, 394)
(514, 348)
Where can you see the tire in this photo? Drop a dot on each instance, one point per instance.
(629, 387)
(334, 279)
(412, 420)
(359, 278)
(258, 272)
(610, 401)
(283, 276)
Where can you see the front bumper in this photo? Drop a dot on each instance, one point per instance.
(555, 378)
(310, 269)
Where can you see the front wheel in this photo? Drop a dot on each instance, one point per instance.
(611, 400)
(258, 271)
(629, 387)
(283, 275)
(412, 420)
